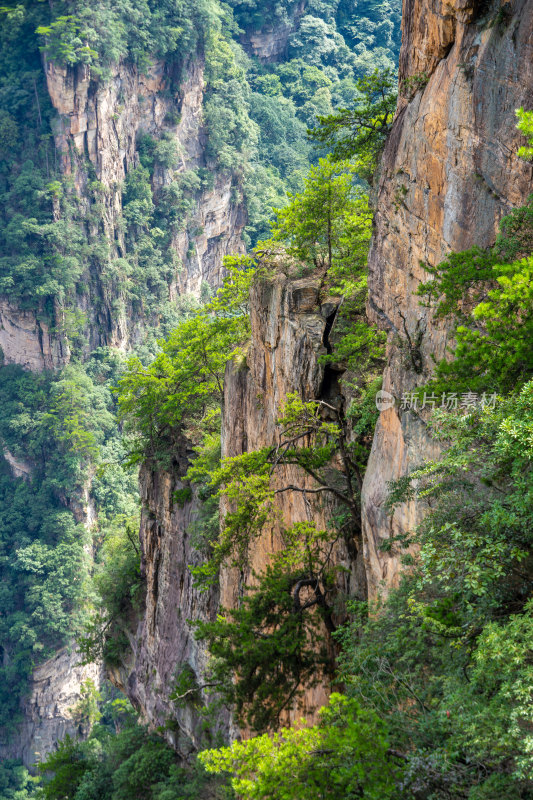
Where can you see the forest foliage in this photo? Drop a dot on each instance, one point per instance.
(436, 679)
(55, 255)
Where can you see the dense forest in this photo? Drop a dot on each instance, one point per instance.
(429, 684)
(64, 423)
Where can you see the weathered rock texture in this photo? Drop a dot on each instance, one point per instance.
(27, 341)
(99, 123)
(271, 43)
(450, 172)
(48, 709)
(289, 324)
(162, 643)
(290, 320)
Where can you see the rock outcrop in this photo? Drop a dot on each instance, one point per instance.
(271, 42)
(27, 341)
(49, 707)
(290, 319)
(450, 171)
(289, 326)
(99, 123)
(162, 642)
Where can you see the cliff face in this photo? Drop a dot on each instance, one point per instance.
(289, 325)
(270, 44)
(290, 321)
(162, 643)
(27, 341)
(48, 708)
(99, 123)
(449, 173)
(95, 134)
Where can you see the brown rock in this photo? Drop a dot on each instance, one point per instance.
(450, 172)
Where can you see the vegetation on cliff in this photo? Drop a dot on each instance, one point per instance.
(119, 760)
(59, 428)
(444, 662)
(436, 679)
(59, 257)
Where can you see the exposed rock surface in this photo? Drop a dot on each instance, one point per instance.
(450, 172)
(48, 718)
(163, 644)
(27, 341)
(270, 44)
(289, 328)
(99, 122)
(19, 467)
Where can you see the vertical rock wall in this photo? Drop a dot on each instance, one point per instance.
(290, 320)
(450, 172)
(98, 125)
(162, 642)
(49, 707)
(289, 324)
(95, 133)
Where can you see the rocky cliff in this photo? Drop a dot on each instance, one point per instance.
(290, 321)
(49, 708)
(162, 640)
(271, 42)
(101, 121)
(449, 173)
(96, 133)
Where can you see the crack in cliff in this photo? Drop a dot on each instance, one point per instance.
(387, 322)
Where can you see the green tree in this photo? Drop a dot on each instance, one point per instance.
(525, 126)
(360, 132)
(185, 381)
(120, 764)
(62, 43)
(345, 755)
(494, 327)
(16, 783)
(119, 586)
(330, 215)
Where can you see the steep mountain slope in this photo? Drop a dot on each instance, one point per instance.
(450, 171)
(138, 144)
